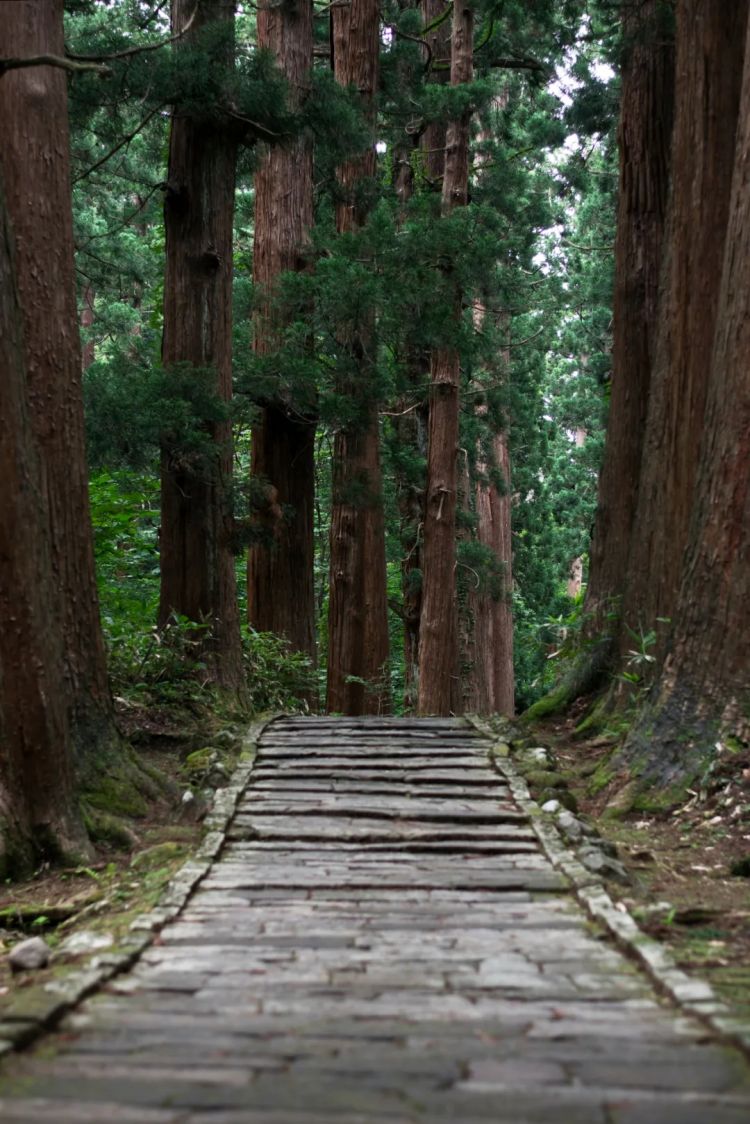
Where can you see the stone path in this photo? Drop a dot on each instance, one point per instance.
(381, 942)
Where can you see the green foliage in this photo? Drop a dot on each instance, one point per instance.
(165, 666)
(532, 248)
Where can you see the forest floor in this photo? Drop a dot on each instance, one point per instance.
(683, 890)
(103, 898)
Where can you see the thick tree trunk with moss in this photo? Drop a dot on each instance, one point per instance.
(36, 161)
(358, 612)
(197, 560)
(281, 595)
(710, 49)
(645, 144)
(438, 635)
(39, 818)
(703, 695)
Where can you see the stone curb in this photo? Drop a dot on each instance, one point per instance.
(38, 1009)
(694, 997)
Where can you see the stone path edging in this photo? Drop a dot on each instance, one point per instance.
(36, 1009)
(695, 997)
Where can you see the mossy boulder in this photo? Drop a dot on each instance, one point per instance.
(545, 778)
(198, 763)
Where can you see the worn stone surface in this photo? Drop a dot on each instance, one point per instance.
(29, 955)
(381, 940)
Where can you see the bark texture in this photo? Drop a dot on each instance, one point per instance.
(704, 690)
(412, 428)
(197, 561)
(358, 612)
(281, 595)
(710, 48)
(39, 818)
(645, 132)
(490, 681)
(34, 143)
(438, 637)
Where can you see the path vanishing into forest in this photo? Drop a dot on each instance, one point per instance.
(381, 940)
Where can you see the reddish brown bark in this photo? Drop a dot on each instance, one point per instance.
(281, 596)
(644, 139)
(413, 426)
(38, 815)
(704, 691)
(358, 613)
(438, 640)
(86, 320)
(35, 153)
(490, 681)
(710, 47)
(197, 562)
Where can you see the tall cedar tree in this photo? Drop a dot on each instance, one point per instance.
(488, 680)
(438, 653)
(412, 427)
(281, 593)
(197, 561)
(36, 161)
(645, 133)
(704, 690)
(38, 815)
(710, 42)
(358, 613)
(487, 675)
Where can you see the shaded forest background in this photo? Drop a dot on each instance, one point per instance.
(357, 287)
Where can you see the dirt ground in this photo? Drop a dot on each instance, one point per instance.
(690, 866)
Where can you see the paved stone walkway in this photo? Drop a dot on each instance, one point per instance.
(382, 942)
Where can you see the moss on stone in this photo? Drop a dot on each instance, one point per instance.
(117, 795)
(545, 778)
(553, 703)
(103, 827)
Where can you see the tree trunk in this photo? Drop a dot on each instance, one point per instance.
(704, 692)
(39, 817)
(438, 632)
(491, 611)
(197, 561)
(413, 427)
(358, 613)
(645, 143)
(36, 162)
(86, 320)
(281, 594)
(710, 45)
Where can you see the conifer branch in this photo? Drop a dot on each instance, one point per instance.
(130, 51)
(62, 63)
(264, 133)
(120, 144)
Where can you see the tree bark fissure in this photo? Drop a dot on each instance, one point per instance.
(281, 594)
(197, 560)
(703, 693)
(358, 611)
(710, 46)
(34, 138)
(645, 155)
(438, 639)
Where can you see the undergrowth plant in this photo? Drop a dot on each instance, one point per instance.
(164, 666)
